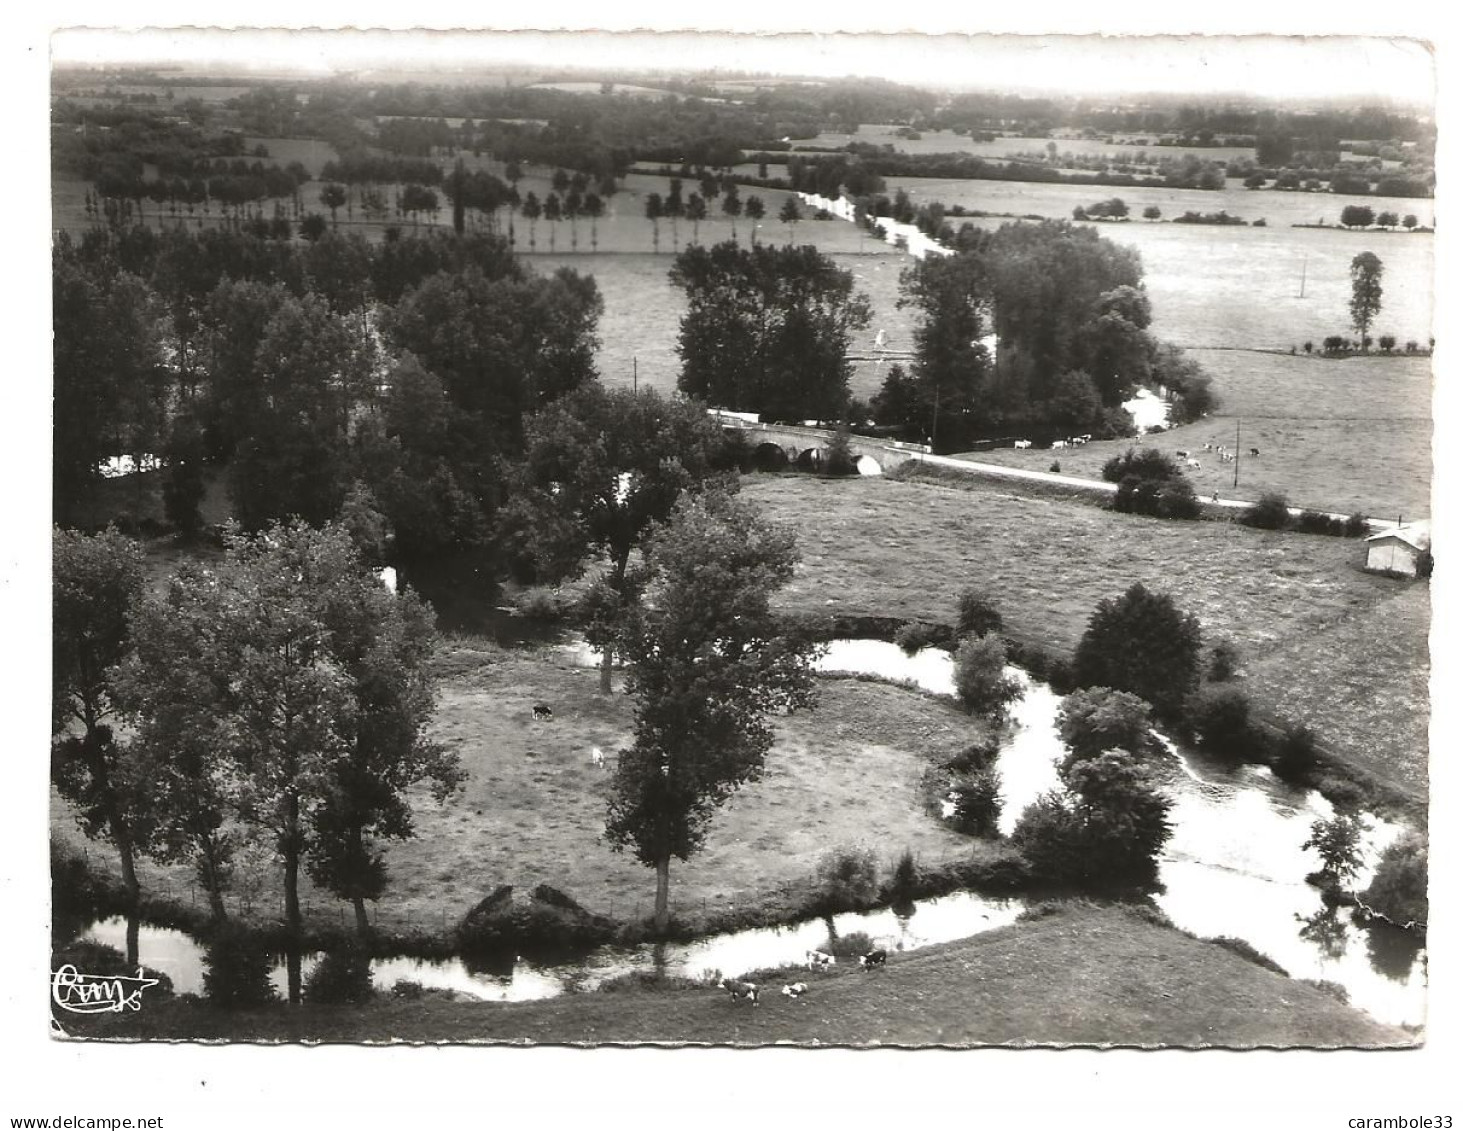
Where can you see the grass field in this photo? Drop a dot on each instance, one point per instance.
(907, 549)
(1085, 975)
(533, 808)
(1345, 435)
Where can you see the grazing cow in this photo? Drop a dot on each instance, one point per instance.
(542, 711)
(1059, 443)
(873, 958)
(1193, 463)
(1182, 453)
(820, 960)
(1022, 444)
(597, 756)
(1208, 447)
(1086, 437)
(795, 991)
(1254, 451)
(740, 991)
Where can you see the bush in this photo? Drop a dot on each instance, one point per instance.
(1399, 888)
(1056, 467)
(1099, 719)
(978, 803)
(1178, 500)
(975, 758)
(342, 977)
(1272, 512)
(981, 681)
(915, 635)
(848, 879)
(1295, 756)
(839, 458)
(1356, 525)
(1220, 717)
(852, 945)
(978, 614)
(903, 882)
(1425, 565)
(1334, 343)
(1388, 342)
(1223, 662)
(1145, 463)
(236, 969)
(1338, 843)
(1318, 522)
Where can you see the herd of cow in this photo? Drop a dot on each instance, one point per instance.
(816, 960)
(1069, 442)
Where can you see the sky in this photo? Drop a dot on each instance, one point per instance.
(1399, 69)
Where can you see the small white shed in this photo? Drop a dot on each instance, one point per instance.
(1397, 550)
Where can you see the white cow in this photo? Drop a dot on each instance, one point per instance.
(1022, 444)
(1193, 463)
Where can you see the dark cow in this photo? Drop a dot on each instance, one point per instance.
(873, 958)
(740, 991)
(542, 711)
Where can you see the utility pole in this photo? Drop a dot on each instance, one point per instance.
(1236, 451)
(635, 374)
(1303, 263)
(935, 422)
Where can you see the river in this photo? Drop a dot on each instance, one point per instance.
(1233, 867)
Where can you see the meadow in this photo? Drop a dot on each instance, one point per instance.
(848, 772)
(1344, 435)
(888, 548)
(1081, 975)
(1004, 147)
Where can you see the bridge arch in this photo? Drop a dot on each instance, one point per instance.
(768, 456)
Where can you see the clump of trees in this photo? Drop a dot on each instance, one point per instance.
(1398, 889)
(767, 329)
(279, 696)
(1150, 482)
(1069, 319)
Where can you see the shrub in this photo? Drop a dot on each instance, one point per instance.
(1136, 495)
(1220, 717)
(1308, 347)
(1098, 719)
(1425, 565)
(1319, 522)
(1295, 756)
(1356, 525)
(981, 681)
(851, 945)
(848, 879)
(978, 615)
(342, 977)
(839, 458)
(1223, 661)
(1334, 343)
(1330, 989)
(1056, 467)
(1399, 888)
(915, 635)
(903, 882)
(975, 758)
(1338, 843)
(236, 969)
(1272, 512)
(541, 603)
(1145, 463)
(978, 803)
(1178, 500)
(1388, 342)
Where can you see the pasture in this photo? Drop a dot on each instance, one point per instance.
(1083, 975)
(907, 549)
(1343, 435)
(1004, 148)
(533, 807)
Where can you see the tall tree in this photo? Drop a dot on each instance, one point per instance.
(1366, 292)
(755, 210)
(601, 468)
(95, 580)
(790, 215)
(767, 329)
(710, 663)
(654, 210)
(696, 212)
(333, 196)
(532, 210)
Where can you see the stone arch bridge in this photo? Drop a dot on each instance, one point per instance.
(776, 446)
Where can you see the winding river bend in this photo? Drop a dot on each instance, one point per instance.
(1233, 867)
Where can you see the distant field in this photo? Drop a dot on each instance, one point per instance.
(1350, 435)
(947, 141)
(903, 549)
(309, 152)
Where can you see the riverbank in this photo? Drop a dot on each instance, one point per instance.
(1082, 975)
(1320, 642)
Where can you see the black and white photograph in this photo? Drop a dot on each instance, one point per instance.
(675, 538)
